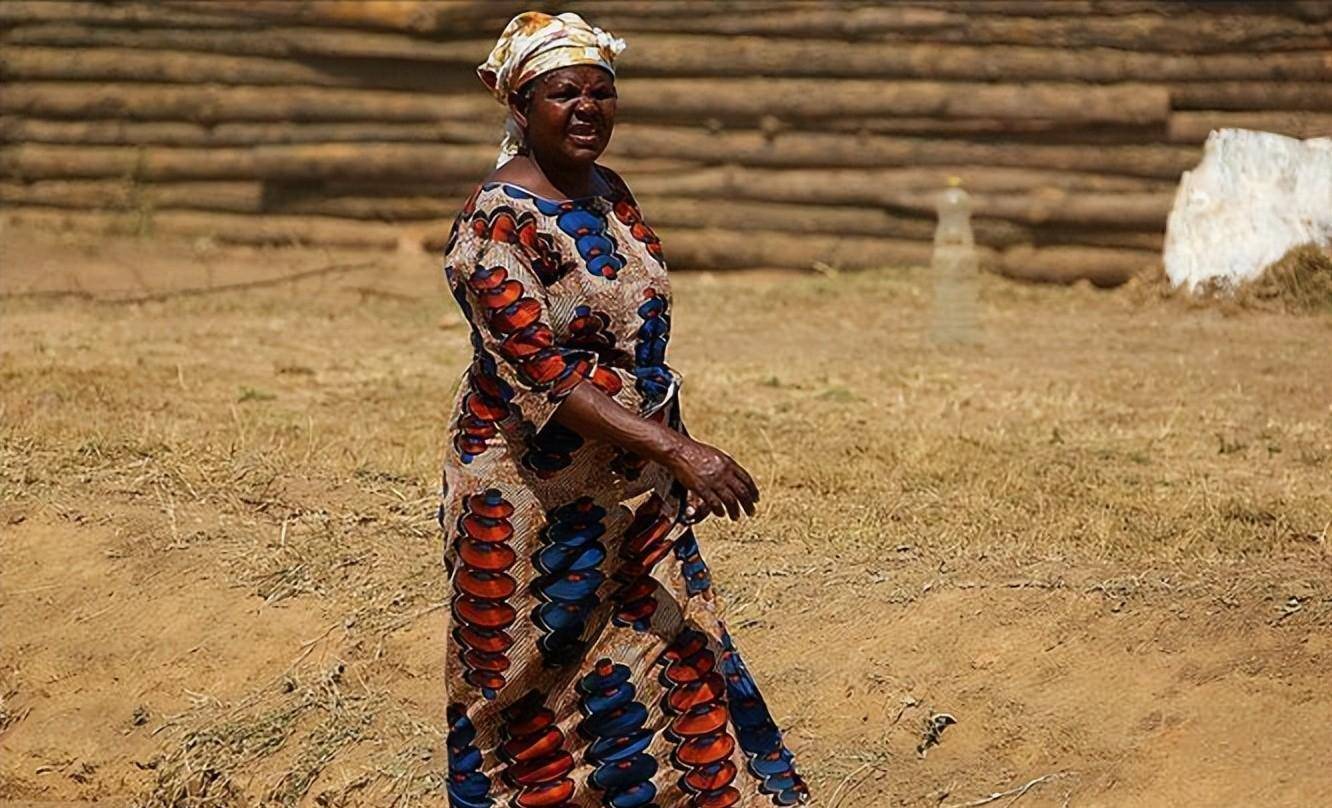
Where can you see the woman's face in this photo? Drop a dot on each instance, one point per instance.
(570, 116)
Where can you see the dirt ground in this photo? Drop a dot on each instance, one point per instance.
(1099, 541)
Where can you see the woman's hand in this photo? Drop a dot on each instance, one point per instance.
(717, 483)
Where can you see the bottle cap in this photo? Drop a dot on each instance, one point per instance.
(954, 181)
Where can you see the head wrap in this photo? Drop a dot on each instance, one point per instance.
(534, 43)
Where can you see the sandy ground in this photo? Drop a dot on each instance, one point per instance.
(1099, 541)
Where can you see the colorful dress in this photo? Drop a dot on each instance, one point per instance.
(585, 664)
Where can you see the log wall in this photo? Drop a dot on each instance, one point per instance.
(755, 132)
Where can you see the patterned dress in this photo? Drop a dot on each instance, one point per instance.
(585, 664)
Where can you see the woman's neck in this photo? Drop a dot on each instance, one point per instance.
(556, 182)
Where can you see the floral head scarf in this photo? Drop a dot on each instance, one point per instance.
(534, 43)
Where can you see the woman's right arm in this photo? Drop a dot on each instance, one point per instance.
(717, 482)
(506, 301)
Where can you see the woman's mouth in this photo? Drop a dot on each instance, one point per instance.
(584, 134)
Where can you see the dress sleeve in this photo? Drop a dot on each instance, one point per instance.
(510, 316)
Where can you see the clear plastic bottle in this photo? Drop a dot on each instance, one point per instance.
(956, 270)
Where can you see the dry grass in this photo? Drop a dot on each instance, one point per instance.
(1299, 283)
(288, 439)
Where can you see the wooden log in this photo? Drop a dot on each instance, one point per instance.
(23, 63)
(117, 132)
(384, 209)
(710, 56)
(382, 162)
(1001, 219)
(120, 14)
(642, 99)
(791, 99)
(691, 249)
(1045, 8)
(688, 248)
(674, 54)
(148, 56)
(673, 9)
(178, 67)
(226, 228)
(923, 125)
(418, 16)
(1006, 129)
(1241, 95)
(282, 42)
(233, 197)
(763, 17)
(1104, 267)
(1310, 10)
(872, 187)
(1052, 207)
(1131, 211)
(790, 150)
(208, 104)
(298, 162)
(1187, 31)
(857, 23)
(1010, 206)
(827, 149)
(1194, 127)
(864, 220)
(442, 202)
(1151, 240)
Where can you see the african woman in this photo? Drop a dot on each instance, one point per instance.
(586, 663)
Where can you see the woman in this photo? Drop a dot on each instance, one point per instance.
(586, 665)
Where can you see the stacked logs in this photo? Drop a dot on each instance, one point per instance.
(755, 132)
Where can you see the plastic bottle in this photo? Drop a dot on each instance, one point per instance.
(955, 268)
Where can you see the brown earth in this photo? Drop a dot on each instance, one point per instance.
(1099, 541)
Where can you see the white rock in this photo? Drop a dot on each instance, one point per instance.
(1254, 196)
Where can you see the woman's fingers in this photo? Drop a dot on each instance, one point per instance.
(747, 502)
(732, 504)
(740, 493)
(719, 499)
(713, 503)
(738, 473)
(722, 487)
(748, 481)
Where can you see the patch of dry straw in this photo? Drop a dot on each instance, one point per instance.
(1300, 282)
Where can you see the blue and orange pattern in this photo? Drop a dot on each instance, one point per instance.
(526, 341)
(696, 699)
(483, 586)
(693, 568)
(584, 222)
(504, 225)
(618, 740)
(468, 786)
(769, 759)
(646, 541)
(538, 764)
(584, 668)
(626, 210)
(486, 401)
(569, 562)
(654, 377)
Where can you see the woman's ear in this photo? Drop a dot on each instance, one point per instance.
(518, 109)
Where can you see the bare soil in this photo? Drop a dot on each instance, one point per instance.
(1099, 541)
